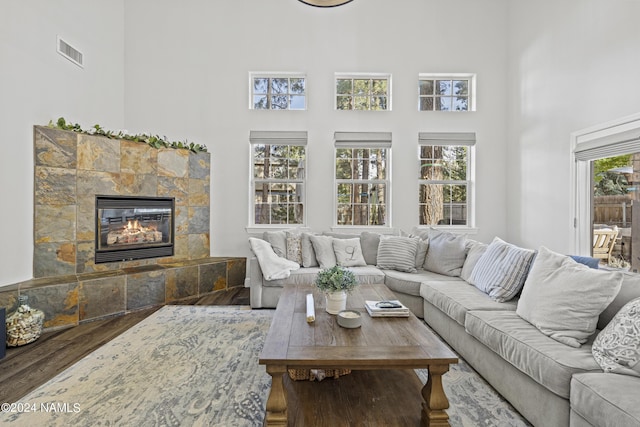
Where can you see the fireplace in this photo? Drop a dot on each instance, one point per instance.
(130, 228)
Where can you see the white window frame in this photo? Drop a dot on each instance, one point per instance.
(294, 138)
(618, 137)
(371, 140)
(467, 139)
(451, 76)
(277, 75)
(361, 76)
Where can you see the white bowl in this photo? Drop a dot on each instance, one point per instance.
(349, 319)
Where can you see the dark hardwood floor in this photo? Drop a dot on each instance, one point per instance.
(27, 367)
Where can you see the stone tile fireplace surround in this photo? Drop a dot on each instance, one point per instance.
(70, 170)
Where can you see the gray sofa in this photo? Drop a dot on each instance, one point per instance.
(548, 382)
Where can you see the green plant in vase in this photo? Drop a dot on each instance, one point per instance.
(336, 282)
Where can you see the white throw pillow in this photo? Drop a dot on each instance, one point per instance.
(501, 270)
(563, 298)
(446, 254)
(348, 252)
(323, 247)
(398, 253)
(617, 346)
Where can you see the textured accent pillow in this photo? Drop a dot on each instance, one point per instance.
(294, 247)
(446, 254)
(501, 270)
(369, 243)
(308, 254)
(323, 247)
(397, 253)
(475, 250)
(617, 346)
(563, 298)
(348, 252)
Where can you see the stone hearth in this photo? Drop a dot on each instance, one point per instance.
(70, 170)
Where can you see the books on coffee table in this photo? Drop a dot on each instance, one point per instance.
(387, 308)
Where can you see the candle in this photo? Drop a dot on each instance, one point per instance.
(311, 312)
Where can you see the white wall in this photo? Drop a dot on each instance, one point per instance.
(187, 66)
(572, 64)
(37, 85)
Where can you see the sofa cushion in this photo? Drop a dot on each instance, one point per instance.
(366, 275)
(398, 253)
(446, 254)
(369, 242)
(456, 297)
(606, 400)
(502, 270)
(563, 298)
(323, 247)
(545, 360)
(475, 250)
(348, 252)
(617, 347)
(308, 254)
(629, 290)
(409, 283)
(294, 247)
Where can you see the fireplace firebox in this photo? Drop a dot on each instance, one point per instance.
(130, 228)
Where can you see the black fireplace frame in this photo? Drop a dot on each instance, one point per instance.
(138, 252)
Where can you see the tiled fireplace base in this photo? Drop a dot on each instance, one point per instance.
(71, 300)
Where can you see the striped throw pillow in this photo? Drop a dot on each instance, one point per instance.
(502, 270)
(397, 253)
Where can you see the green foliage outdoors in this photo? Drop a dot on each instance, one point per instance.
(608, 183)
(154, 141)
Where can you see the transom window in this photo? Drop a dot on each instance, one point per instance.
(362, 178)
(278, 92)
(278, 177)
(445, 92)
(445, 178)
(363, 92)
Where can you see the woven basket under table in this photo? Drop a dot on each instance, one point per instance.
(310, 374)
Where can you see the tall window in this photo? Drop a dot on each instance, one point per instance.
(606, 189)
(445, 178)
(278, 177)
(363, 92)
(362, 178)
(438, 92)
(278, 91)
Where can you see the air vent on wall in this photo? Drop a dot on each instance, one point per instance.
(69, 52)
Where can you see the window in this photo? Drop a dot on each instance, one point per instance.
(278, 92)
(362, 178)
(445, 178)
(278, 177)
(445, 92)
(606, 191)
(363, 92)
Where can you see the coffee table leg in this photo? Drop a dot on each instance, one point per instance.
(435, 400)
(277, 402)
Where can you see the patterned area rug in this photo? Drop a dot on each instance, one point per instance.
(198, 366)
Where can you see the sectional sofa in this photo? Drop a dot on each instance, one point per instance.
(544, 329)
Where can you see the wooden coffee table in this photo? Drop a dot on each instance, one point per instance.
(382, 353)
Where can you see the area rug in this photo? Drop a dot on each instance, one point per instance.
(198, 366)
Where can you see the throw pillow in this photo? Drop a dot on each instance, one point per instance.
(278, 240)
(397, 253)
(563, 298)
(501, 270)
(475, 250)
(294, 247)
(369, 243)
(446, 254)
(308, 254)
(617, 346)
(348, 252)
(323, 247)
(421, 253)
(586, 260)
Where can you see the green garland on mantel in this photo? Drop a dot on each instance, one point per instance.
(154, 141)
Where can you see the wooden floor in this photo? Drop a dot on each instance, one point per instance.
(26, 368)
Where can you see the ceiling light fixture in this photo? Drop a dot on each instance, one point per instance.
(325, 3)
